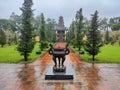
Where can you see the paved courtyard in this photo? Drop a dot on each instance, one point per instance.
(86, 76)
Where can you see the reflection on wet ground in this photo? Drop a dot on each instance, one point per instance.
(86, 76)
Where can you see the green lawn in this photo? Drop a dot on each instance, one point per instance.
(9, 54)
(109, 54)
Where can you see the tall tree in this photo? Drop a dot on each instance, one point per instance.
(71, 33)
(42, 33)
(42, 28)
(50, 29)
(26, 43)
(79, 24)
(2, 38)
(107, 38)
(37, 21)
(93, 42)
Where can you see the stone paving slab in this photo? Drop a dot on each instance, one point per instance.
(86, 76)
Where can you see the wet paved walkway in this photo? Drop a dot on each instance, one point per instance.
(86, 76)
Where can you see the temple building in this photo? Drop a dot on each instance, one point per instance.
(60, 30)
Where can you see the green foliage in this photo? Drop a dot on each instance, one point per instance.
(37, 21)
(107, 38)
(7, 24)
(9, 40)
(43, 45)
(2, 38)
(115, 27)
(71, 33)
(119, 40)
(79, 24)
(16, 19)
(109, 54)
(26, 43)
(93, 42)
(15, 39)
(42, 33)
(42, 29)
(50, 30)
(112, 40)
(103, 24)
(74, 43)
(117, 36)
(54, 37)
(9, 54)
(114, 37)
(114, 23)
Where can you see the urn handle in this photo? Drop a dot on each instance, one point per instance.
(67, 51)
(50, 51)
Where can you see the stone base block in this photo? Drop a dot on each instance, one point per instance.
(51, 75)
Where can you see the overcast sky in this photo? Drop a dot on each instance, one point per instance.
(67, 8)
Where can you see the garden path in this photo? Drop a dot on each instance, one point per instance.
(87, 76)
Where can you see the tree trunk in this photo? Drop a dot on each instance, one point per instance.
(9, 43)
(25, 56)
(93, 57)
(79, 48)
(2, 45)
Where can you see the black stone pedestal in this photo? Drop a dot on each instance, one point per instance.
(51, 75)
